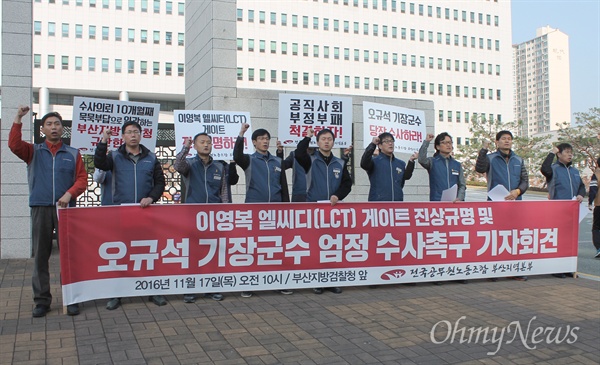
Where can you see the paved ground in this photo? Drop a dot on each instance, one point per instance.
(386, 325)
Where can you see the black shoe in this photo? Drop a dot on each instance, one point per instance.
(493, 279)
(40, 310)
(437, 283)
(215, 296)
(318, 290)
(286, 292)
(189, 298)
(73, 309)
(372, 286)
(411, 284)
(462, 281)
(113, 304)
(560, 276)
(246, 294)
(335, 290)
(159, 300)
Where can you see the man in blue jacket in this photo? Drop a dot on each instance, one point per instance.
(444, 171)
(327, 177)
(206, 181)
(387, 174)
(503, 167)
(265, 174)
(137, 177)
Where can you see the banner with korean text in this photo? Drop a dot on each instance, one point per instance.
(222, 126)
(406, 125)
(122, 251)
(299, 113)
(91, 116)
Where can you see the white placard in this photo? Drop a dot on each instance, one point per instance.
(406, 125)
(298, 113)
(450, 194)
(222, 126)
(91, 116)
(498, 193)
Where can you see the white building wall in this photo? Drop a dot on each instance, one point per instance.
(542, 81)
(501, 59)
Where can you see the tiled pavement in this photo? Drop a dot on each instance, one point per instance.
(386, 325)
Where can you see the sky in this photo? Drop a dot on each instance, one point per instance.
(580, 20)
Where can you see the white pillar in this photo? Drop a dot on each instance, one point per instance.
(44, 100)
(124, 96)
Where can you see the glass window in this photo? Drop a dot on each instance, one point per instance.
(143, 67)
(156, 9)
(326, 51)
(105, 33)
(169, 38)
(92, 3)
(51, 29)
(131, 35)
(284, 20)
(144, 6)
(105, 65)
(118, 64)
(78, 63)
(261, 45)
(304, 22)
(105, 4)
(168, 68)
(273, 75)
(156, 37)
(261, 17)
(316, 79)
(295, 21)
(180, 69)
(78, 31)
(118, 34)
(91, 63)
(251, 45)
(240, 73)
(273, 46)
(37, 61)
(144, 36)
(240, 44)
(130, 66)
(180, 11)
(65, 30)
(295, 78)
(156, 68)
(305, 50)
(273, 18)
(131, 5)
(169, 7)
(37, 28)
(283, 47)
(315, 23)
(316, 51)
(240, 15)
(51, 61)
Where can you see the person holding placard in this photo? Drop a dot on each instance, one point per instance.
(387, 174)
(137, 177)
(265, 174)
(444, 171)
(206, 181)
(327, 177)
(56, 176)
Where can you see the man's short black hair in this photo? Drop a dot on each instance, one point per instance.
(564, 146)
(385, 135)
(51, 114)
(260, 132)
(323, 131)
(440, 137)
(501, 133)
(202, 134)
(127, 124)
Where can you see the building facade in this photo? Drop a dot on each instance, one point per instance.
(126, 49)
(456, 54)
(542, 81)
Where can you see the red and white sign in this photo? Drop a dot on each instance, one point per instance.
(122, 251)
(298, 113)
(406, 125)
(223, 127)
(91, 116)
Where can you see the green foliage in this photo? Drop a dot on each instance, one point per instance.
(584, 137)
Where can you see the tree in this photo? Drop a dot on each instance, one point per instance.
(584, 136)
(532, 150)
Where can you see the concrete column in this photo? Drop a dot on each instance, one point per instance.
(124, 96)
(44, 99)
(15, 225)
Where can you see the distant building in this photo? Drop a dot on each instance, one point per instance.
(542, 81)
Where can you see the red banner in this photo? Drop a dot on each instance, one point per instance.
(124, 251)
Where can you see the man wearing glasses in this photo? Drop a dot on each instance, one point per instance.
(137, 177)
(444, 171)
(387, 174)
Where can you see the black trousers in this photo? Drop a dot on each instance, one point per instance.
(43, 222)
(596, 228)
